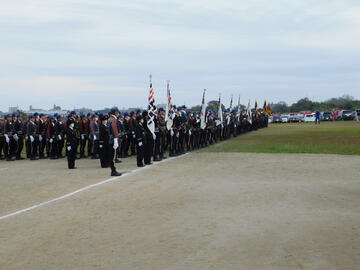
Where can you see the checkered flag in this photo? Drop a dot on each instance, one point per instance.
(151, 109)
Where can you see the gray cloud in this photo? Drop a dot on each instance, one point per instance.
(99, 53)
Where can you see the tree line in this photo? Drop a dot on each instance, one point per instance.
(345, 102)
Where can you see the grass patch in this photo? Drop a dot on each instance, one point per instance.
(327, 138)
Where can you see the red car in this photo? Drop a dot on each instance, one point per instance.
(294, 119)
(277, 119)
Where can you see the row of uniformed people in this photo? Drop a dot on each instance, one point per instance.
(113, 136)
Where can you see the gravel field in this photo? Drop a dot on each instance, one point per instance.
(199, 211)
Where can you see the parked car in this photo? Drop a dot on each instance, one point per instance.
(284, 118)
(301, 117)
(276, 119)
(309, 117)
(294, 119)
(327, 116)
(346, 115)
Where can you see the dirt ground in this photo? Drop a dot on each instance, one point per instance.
(199, 211)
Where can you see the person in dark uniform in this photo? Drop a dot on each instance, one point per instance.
(132, 125)
(59, 132)
(149, 144)
(113, 140)
(42, 126)
(162, 133)
(10, 143)
(83, 130)
(71, 144)
(51, 138)
(103, 141)
(94, 136)
(19, 136)
(90, 142)
(31, 133)
(156, 151)
(2, 139)
(140, 141)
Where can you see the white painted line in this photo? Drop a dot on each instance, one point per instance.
(3, 169)
(113, 179)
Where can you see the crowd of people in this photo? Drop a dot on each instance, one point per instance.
(115, 135)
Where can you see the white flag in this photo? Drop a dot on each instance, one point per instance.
(203, 112)
(220, 114)
(249, 114)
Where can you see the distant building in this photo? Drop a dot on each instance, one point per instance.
(13, 109)
(54, 110)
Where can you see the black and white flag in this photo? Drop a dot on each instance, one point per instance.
(151, 109)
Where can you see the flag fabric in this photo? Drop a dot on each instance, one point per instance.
(228, 117)
(151, 109)
(169, 113)
(256, 109)
(238, 110)
(268, 109)
(249, 114)
(265, 108)
(220, 114)
(203, 112)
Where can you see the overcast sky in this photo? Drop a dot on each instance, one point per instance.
(98, 53)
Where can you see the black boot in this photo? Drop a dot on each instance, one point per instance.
(115, 173)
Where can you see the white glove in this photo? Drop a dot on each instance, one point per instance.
(177, 135)
(59, 137)
(31, 138)
(116, 143)
(189, 132)
(140, 143)
(16, 137)
(94, 137)
(40, 138)
(51, 140)
(82, 136)
(133, 135)
(154, 137)
(69, 148)
(7, 139)
(171, 132)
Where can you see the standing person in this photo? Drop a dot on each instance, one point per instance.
(94, 136)
(19, 136)
(140, 141)
(51, 138)
(149, 145)
(71, 144)
(83, 130)
(2, 139)
(103, 141)
(317, 117)
(10, 142)
(31, 134)
(59, 130)
(162, 133)
(113, 140)
(156, 148)
(42, 127)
